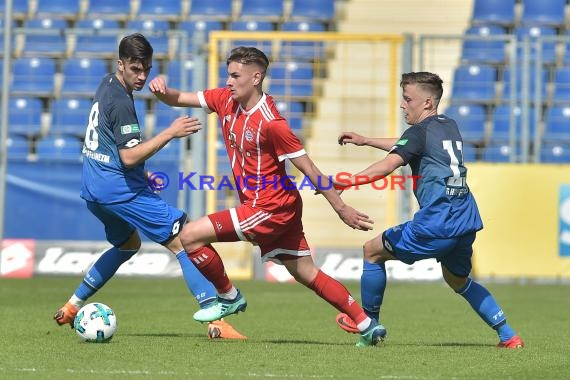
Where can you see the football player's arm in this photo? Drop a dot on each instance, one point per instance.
(348, 215)
(172, 96)
(376, 142)
(372, 173)
(132, 156)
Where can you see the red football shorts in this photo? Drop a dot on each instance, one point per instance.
(276, 233)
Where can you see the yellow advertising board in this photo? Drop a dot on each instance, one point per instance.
(522, 211)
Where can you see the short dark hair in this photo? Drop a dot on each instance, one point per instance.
(247, 56)
(430, 82)
(135, 47)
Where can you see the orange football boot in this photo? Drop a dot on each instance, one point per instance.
(223, 330)
(66, 314)
(513, 343)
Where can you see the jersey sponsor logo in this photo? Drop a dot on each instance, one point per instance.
(175, 228)
(130, 128)
(132, 142)
(402, 142)
(17, 258)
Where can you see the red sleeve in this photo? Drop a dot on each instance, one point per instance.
(215, 100)
(285, 142)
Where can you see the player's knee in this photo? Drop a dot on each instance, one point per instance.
(372, 251)
(133, 244)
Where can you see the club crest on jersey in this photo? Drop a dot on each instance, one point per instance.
(248, 135)
(130, 128)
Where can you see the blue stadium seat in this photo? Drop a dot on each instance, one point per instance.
(532, 86)
(474, 83)
(500, 12)
(318, 10)
(557, 124)
(305, 50)
(140, 109)
(253, 26)
(174, 71)
(501, 122)
(68, 9)
(160, 10)
(82, 76)
(293, 112)
(13, 42)
(69, 116)
(59, 147)
(20, 9)
(191, 27)
(109, 9)
(291, 79)
(486, 47)
(164, 116)
(561, 84)
(469, 152)
(156, 31)
(470, 119)
(33, 76)
(533, 33)
(543, 12)
(269, 10)
(45, 37)
(555, 153)
(221, 10)
(96, 37)
(498, 152)
(25, 116)
(18, 147)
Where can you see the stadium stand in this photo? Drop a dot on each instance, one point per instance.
(316, 10)
(67, 9)
(220, 10)
(291, 79)
(59, 147)
(262, 10)
(500, 12)
(557, 124)
(532, 33)
(304, 51)
(25, 116)
(518, 82)
(474, 83)
(161, 10)
(555, 153)
(485, 48)
(191, 27)
(543, 13)
(81, 76)
(44, 37)
(18, 147)
(501, 122)
(69, 116)
(33, 76)
(561, 85)
(109, 9)
(174, 70)
(95, 38)
(156, 31)
(498, 152)
(253, 26)
(20, 9)
(471, 120)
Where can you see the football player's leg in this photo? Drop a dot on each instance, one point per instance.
(456, 268)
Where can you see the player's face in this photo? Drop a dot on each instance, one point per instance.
(133, 74)
(242, 81)
(416, 104)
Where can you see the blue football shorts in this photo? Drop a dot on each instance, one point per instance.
(146, 212)
(454, 253)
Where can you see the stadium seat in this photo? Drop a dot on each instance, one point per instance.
(262, 10)
(164, 115)
(68, 9)
(160, 10)
(474, 83)
(498, 152)
(469, 152)
(557, 124)
(69, 116)
(82, 76)
(317, 10)
(534, 33)
(486, 45)
(501, 122)
(221, 10)
(174, 71)
(293, 112)
(14, 45)
(500, 12)
(302, 50)
(25, 116)
(470, 119)
(20, 9)
(33, 76)
(96, 38)
(191, 27)
(18, 147)
(561, 85)
(291, 79)
(156, 31)
(253, 26)
(544, 12)
(109, 9)
(45, 37)
(519, 89)
(59, 147)
(140, 109)
(555, 153)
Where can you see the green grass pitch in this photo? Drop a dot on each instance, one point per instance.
(432, 334)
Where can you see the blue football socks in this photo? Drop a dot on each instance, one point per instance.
(202, 289)
(102, 270)
(372, 287)
(485, 305)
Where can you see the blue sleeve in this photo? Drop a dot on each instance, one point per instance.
(411, 144)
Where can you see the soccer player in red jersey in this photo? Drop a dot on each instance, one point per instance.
(258, 141)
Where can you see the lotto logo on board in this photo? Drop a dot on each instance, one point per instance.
(564, 221)
(17, 258)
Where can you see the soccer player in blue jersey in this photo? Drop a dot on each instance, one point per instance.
(447, 221)
(116, 188)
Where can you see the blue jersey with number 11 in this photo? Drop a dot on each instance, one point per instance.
(113, 125)
(434, 150)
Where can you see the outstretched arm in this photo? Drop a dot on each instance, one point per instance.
(376, 142)
(172, 96)
(374, 172)
(351, 217)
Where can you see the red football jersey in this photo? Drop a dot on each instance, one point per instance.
(257, 142)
